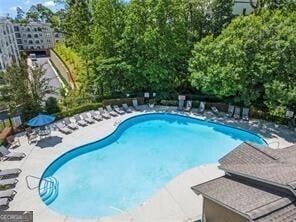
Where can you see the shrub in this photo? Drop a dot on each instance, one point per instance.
(51, 105)
(78, 109)
(169, 102)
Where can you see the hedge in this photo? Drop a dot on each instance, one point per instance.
(120, 101)
(78, 109)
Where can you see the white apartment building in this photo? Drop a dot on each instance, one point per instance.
(9, 53)
(36, 37)
(244, 7)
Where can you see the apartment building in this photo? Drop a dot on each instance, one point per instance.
(244, 7)
(9, 53)
(36, 37)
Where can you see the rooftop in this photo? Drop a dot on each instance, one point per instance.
(259, 183)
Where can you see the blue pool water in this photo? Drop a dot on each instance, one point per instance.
(138, 159)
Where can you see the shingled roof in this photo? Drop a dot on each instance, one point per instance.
(260, 183)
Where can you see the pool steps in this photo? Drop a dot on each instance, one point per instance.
(49, 190)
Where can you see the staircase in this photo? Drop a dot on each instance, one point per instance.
(49, 189)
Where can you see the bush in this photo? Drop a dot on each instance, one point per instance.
(169, 102)
(122, 100)
(51, 105)
(78, 109)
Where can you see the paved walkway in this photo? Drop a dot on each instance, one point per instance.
(174, 202)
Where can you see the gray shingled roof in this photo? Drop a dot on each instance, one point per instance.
(273, 166)
(259, 183)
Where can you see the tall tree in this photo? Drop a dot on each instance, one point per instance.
(253, 60)
(77, 23)
(25, 88)
(20, 14)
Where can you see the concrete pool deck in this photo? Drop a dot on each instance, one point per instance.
(174, 202)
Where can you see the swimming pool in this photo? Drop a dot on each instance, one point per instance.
(127, 167)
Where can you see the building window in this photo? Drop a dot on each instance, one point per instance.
(18, 35)
(29, 36)
(30, 42)
(37, 42)
(28, 30)
(16, 29)
(19, 41)
(35, 36)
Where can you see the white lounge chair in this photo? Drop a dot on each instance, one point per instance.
(80, 121)
(62, 128)
(245, 114)
(230, 111)
(10, 172)
(104, 114)
(86, 117)
(111, 111)
(7, 155)
(181, 104)
(215, 110)
(13, 142)
(237, 112)
(4, 203)
(7, 194)
(202, 107)
(8, 182)
(188, 106)
(70, 124)
(96, 115)
(135, 105)
(126, 108)
(118, 110)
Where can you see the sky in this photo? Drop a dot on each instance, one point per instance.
(9, 6)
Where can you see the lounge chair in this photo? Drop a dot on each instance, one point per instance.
(7, 194)
(13, 142)
(188, 106)
(10, 172)
(126, 108)
(245, 114)
(8, 182)
(96, 115)
(4, 203)
(80, 121)
(202, 107)
(230, 111)
(118, 110)
(70, 124)
(135, 105)
(237, 112)
(291, 119)
(7, 155)
(62, 128)
(104, 114)
(111, 111)
(215, 110)
(87, 119)
(181, 105)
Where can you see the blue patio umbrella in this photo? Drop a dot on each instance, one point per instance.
(41, 120)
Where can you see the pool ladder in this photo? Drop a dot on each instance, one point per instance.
(48, 188)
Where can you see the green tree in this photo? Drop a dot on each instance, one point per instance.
(77, 22)
(252, 57)
(24, 88)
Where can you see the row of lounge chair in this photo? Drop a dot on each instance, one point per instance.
(188, 106)
(233, 111)
(67, 125)
(8, 181)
